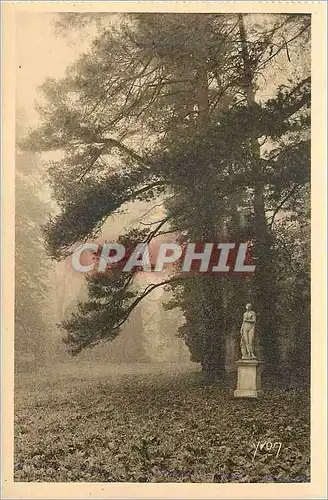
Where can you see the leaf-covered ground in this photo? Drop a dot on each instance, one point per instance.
(95, 424)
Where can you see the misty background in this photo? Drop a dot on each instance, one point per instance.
(46, 291)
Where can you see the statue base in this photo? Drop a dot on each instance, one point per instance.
(249, 384)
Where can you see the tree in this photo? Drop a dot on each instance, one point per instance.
(164, 106)
(293, 242)
(31, 265)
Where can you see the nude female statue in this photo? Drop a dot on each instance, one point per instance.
(247, 333)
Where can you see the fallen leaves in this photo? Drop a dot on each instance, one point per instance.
(163, 428)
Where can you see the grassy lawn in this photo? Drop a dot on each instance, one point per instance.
(83, 423)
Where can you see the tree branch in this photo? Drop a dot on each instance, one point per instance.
(281, 204)
(153, 233)
(144, 294)
(113, 143)
(283, 46)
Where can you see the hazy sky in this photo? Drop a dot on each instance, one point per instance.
(41, 54)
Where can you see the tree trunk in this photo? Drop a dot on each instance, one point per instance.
(264, 278)
(209, 289)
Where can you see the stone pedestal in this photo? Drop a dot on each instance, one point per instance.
(249, 383)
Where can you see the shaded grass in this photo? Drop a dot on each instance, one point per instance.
(96, 424)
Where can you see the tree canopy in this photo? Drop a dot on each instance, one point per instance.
(165, 106)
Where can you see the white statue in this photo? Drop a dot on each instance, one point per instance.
(247, 333)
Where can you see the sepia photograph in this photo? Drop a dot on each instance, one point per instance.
(162, 246)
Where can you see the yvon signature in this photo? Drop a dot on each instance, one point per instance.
(267, 446)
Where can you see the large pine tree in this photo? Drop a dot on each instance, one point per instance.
(164, 105)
